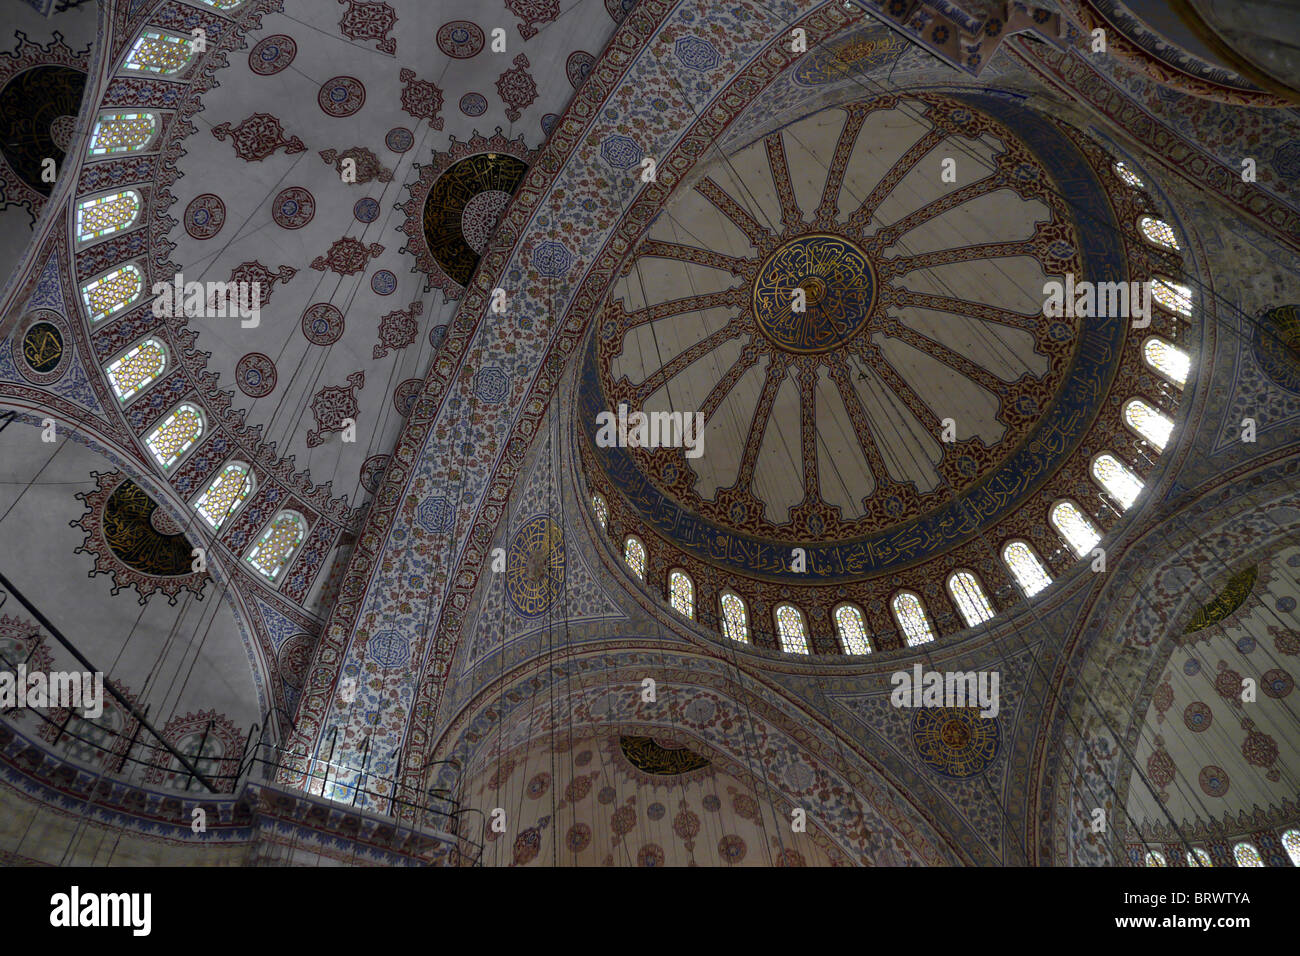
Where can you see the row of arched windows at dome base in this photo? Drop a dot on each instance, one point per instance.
(1244, 853)
(169, 443)
(964, 586)
(157, 52)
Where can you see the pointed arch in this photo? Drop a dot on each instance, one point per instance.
(1291, 843)
(1172, 295)
(910, 614)
(100, 216)
(176, 435)
(277, 545)
(852, 628)
(681, 593)
(735, 617)
(1025, 567)
(1129, 177)
(159, 53)
(115, 133)
(136, 369)
(1158, 232)
(1075, 527)
(1149, 422)
(1246, 854)
(1167, 359)
(968, 594)
(110, 293)
(634, 556)
(226, 493)
(791, 629)
(1117, 478)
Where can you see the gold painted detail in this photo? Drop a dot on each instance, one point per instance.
(1232, 597)
(650, 757)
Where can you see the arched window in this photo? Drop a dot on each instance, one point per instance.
(1155, 858)
(1075, 528)
(853, 630)
(911, 617)
(228, 491)
(1126, 174)
(1291, 843)
(634, 555)
(735, 619)
(277, 544)
(160, 53)
(1025, 567)
(1115, 477)
(681, 593)
(121, 133)
(969, 597)
(131, 373)
(112, 292)
(1201, 858)
(223, 4)
(601, 511)
(1174, 297)
(104, 215)
(1171, 362)
(176, 435)
(1149, 423)
(790, 629)
(1247, 855)
(1158, 232)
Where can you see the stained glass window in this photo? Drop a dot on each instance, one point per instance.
(681, 593)
(911, 617)
(228, 491)
(735, 620)
(1126, 174)
(1149, 423)
(105, 215)
(1201, 858)
(1115, 477)
(1158, 231)
(634, 555)
(1291, 842)
(1174, 297)
(790, 629)
(1247, 855)
(969, 597)
(1155, 858)
(112, 292)
(176, 435)
(121, 133)
(277, 544)
(1028, 570)
(602, 511)
(223, 4)
(853, 630)
(1171, 362)
(160, 53)
(1075, 528)
(133, 372)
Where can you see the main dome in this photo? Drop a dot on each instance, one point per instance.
(921, 378)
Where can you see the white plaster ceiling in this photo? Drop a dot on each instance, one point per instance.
(247, 190)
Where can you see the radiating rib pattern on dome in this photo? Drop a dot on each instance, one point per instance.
(861, 343)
